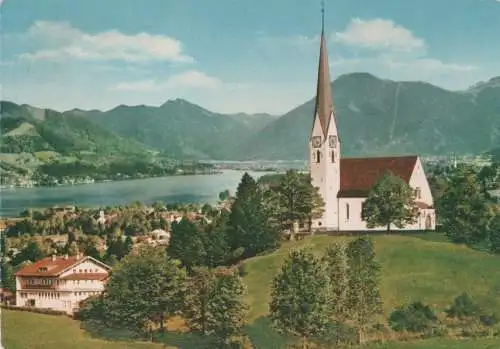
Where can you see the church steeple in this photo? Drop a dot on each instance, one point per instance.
(324, 106)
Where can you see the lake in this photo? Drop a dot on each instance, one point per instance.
(186, 189)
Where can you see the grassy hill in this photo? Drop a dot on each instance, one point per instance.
(29, 130)
(378, 116)
(423, 267)
(67, 144)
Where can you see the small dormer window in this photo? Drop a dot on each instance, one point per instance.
(42, 269)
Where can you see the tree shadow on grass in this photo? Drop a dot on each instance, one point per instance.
(263, 336)
(177, 339)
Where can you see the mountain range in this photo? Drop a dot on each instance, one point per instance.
(374, 116)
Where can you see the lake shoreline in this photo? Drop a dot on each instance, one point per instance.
(193, 188)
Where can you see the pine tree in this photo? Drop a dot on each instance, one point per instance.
(250, 226)
(363, 297)
(390, 202)
(186, 244)
(8, 278)
(300, 297)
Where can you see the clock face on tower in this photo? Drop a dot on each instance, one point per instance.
(332, 140)
(316, 141)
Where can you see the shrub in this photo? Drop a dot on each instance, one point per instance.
(462, 307)
(415, 317)
(35, 310)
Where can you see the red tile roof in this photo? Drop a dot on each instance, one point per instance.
(359, 175)
(54, 267)
(85, 276)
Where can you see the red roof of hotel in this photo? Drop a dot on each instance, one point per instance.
(54, 267)
(359, 175)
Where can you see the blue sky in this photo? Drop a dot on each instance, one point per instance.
(234, 55)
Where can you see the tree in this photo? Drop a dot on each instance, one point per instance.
(463, 209)
(201, 288)
(224, 195)
(143, 289)
(494, 234)
(298, 199)
(249, 225)
(363, 297)
(73, 249)
(336, 262)
(32, 252)
(216, 243)
(227, 306)
(300, 297)
(186, 244)
(389, 202)
(415, 317)
(8, 279)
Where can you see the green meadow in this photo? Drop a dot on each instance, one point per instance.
(420, 267)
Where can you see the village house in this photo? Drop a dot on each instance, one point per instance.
(60, 283)
(345, 183)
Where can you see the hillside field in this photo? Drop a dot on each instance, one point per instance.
(420, 267)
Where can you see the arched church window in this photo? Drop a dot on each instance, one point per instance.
(333, 156)
(347, 213)
(318, 156)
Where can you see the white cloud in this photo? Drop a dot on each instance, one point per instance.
(61, 41)
(189, 79)
(379, 34)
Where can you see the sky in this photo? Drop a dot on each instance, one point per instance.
(234, 55)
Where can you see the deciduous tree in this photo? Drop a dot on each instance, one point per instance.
(336, 262)
(363, 297)
(390, 202)
(463, 209)
(300, 297)
(143, 289)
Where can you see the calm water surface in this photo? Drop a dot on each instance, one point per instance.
(201, 188)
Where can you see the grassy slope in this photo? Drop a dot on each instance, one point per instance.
(414, 268)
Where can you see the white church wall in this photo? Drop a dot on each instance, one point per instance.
(352, 221)
(418, 180)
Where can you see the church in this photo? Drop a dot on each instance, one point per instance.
(344, 183)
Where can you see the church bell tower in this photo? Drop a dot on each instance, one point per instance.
(324, 144)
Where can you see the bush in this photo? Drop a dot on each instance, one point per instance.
(462, 307)
(35, 310)
(415, 317)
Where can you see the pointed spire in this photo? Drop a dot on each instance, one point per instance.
(324, 105)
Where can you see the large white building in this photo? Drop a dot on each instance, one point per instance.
(344, 183)
(60, 283)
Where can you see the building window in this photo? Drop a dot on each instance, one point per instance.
(417, 193)
(333, 157)
(347, 213)
(318, 156)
